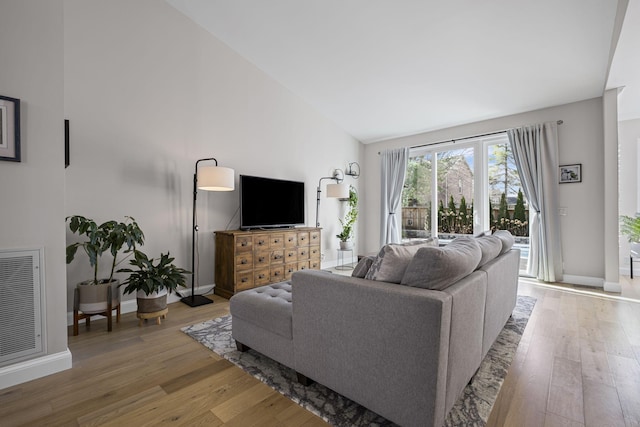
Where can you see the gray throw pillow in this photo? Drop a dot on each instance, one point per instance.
(506, 238)
(392, 260)
(490, 247)
(363, 266)
(438, 268)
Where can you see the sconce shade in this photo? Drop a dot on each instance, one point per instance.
(216, 178)
(338, 191)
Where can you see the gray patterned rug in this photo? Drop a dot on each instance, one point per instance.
(472, 409)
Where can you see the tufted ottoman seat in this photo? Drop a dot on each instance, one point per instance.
(262, 321)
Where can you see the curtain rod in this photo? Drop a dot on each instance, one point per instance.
(559, 122)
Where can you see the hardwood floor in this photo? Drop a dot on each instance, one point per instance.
(577, 364)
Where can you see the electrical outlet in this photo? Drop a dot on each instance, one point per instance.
(322, 256)
(562, 211)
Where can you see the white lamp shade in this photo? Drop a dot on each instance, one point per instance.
(216, 178)
(338, 191)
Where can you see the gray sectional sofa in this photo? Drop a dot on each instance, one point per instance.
(404, 338)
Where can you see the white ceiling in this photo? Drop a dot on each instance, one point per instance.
(382, 68)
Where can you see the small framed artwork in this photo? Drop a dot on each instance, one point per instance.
(9, 129)
(570, 173)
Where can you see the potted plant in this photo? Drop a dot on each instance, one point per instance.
(152, 282)
(630, 227)
(349, 220)
(109, 237)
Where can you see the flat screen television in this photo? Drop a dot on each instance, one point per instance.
(270, 203)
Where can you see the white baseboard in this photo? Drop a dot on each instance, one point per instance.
(594, 282)
(612, 287)
(36, 368)
(131, 305)
(626, 271)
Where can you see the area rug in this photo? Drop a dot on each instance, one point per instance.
(472, 409)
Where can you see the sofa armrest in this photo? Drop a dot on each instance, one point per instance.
(382, 345)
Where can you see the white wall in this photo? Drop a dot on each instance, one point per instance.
(147, 93)
(629, 139)
(580, 141)
(32, 191)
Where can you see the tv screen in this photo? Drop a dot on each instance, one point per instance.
(270, 203)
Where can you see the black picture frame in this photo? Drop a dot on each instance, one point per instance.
(569, 174)
(9, 129)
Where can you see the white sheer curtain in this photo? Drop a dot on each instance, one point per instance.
(394, 166)
(535, 149)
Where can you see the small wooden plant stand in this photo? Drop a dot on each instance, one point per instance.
(153, 315)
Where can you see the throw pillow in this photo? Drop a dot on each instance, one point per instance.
(438, 268)
(506, 238)
(363, 267)
(490, 247)
(392, 260)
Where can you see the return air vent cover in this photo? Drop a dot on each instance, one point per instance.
(20, 305)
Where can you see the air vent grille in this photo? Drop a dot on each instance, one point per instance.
(20, 305)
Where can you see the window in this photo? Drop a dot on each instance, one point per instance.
(477, 188)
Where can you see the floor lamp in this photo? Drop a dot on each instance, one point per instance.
(338, 190)
(208, 178)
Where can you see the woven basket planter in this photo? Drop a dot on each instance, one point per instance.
(151, 303)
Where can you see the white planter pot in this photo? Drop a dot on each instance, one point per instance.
(345, 246)
(93, 298)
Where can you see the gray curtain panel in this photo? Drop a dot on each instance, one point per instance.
(394, 166)
(535, 149)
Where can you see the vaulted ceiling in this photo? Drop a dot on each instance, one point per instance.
(381, 69)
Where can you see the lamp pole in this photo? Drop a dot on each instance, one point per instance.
(336, 177)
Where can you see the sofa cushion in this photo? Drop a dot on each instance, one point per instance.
(363, 266)
(506, 238)
(392, 260)
(491, 246)
(438, 268)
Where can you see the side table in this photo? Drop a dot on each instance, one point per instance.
(341, 265)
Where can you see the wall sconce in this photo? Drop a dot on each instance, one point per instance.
(353, 169)
(208, 178)
(333, 190)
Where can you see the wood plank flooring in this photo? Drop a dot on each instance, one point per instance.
(577, 365)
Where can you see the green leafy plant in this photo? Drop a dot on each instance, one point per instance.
(150, 277)
(108, 237)
(630, 227)
(350, 217)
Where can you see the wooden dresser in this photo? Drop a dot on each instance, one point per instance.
(248, 259)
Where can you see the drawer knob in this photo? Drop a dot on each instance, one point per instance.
(243, 244)
(261, 259)
(243, 280)
(244, 261)
(261, 276)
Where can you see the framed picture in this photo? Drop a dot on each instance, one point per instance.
(570, 173)
(9, 129)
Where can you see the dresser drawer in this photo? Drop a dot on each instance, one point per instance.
(277, 274)
(303, 265)
(303, 238)
(314, 253)
(244, 280)
(314, 238)
(261, 277)
(290, 255)
(262, 259)
(290, 239)
(314, 264)
(244, 243)
(277, 257)
(260, 241)
(244, 261)
(289, 269)
(303, 253)
(276, 241)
